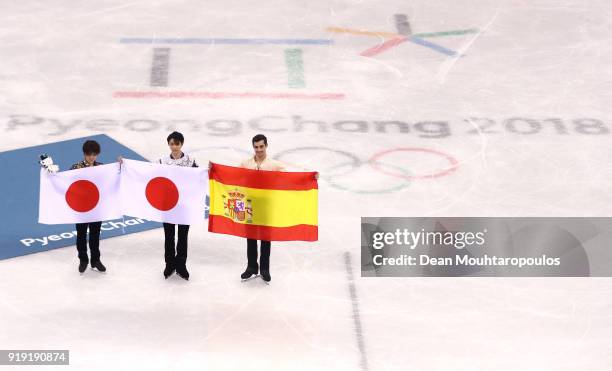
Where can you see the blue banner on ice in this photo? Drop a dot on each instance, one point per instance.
(20, 233)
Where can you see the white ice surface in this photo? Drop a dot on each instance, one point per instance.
(547, 61)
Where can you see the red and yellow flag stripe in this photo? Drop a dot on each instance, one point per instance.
(263, 205)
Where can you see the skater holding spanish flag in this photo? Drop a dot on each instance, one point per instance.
(260, 161)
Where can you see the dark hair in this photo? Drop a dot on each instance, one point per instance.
(178, 137)
(91, 147)
(259, 137)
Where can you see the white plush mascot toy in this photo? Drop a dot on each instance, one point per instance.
(47, 162)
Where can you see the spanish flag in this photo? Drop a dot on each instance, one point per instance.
(263, 205)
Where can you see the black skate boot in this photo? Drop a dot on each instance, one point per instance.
(83, 266)
(182, 272)
(265, 275)
(98, 266)
(168, 271)
(249, 272)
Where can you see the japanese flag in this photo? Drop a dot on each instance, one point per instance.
(163, 193)
(79, 196)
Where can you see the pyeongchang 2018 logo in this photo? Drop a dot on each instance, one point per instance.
(159, 85)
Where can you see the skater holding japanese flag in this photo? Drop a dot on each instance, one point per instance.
(171, 190)
(91, 150)
(176, 255)
(85, 195)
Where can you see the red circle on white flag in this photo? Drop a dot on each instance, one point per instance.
(82, 196)
(162, 193)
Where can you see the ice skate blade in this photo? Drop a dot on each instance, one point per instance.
(250, 278)
(95, 270)
(170, 275)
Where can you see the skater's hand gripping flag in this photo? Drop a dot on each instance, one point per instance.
(79, 196)
(263, 205)
(163, 193)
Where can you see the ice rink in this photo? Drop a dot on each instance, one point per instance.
(406, 108)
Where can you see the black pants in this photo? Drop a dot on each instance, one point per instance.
(94, 241)
(264, 259)
(175, 257)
